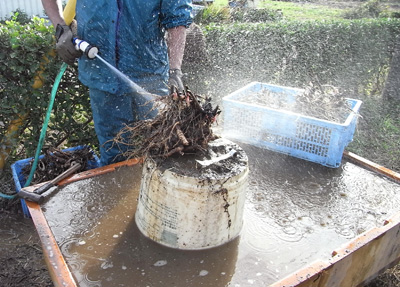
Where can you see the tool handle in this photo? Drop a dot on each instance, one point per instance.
(31, 196)
(66, 173)
(42, 189)
(36, 195)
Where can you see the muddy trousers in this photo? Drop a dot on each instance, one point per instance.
(111, 113)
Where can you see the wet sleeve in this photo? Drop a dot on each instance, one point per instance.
(176, 13)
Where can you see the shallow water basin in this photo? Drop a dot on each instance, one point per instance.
(302, 223)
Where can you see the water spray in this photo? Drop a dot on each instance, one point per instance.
(93, 52)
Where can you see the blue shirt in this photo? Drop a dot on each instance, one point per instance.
(130, 36)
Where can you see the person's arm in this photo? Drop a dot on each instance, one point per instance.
(53, 9)
(64, 34)
(176, 39)
(176, 45)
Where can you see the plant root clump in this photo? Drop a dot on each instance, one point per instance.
(183, 124)
(55, 162)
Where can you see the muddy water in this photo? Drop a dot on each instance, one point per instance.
(295, 213)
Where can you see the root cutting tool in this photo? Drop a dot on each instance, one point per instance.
(37, 195)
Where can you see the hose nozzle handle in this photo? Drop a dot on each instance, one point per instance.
(89, 50)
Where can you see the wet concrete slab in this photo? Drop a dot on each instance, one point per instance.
(296, 212)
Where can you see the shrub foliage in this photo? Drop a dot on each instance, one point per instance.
(348, 54)
(24, 52)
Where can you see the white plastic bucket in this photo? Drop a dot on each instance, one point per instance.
(193, 212)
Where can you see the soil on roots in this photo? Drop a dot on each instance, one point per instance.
(183, 124)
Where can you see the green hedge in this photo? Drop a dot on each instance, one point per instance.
(23, 48)
(344, 53)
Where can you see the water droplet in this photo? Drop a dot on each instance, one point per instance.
(160, 263)
(106, 265)
(203, 273)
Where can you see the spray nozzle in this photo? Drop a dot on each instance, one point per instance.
(89, 50)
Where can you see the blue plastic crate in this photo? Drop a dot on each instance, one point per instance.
(20, 180)
(287, 132)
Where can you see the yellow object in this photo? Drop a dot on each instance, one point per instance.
(7, 143)
(12, 130)
(69, 11)
(38, 83)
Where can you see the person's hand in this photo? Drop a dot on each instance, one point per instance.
(64, 46)
(175, 79)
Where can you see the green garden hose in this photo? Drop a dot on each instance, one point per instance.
(43, 131)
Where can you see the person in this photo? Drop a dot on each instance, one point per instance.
(144, 40)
